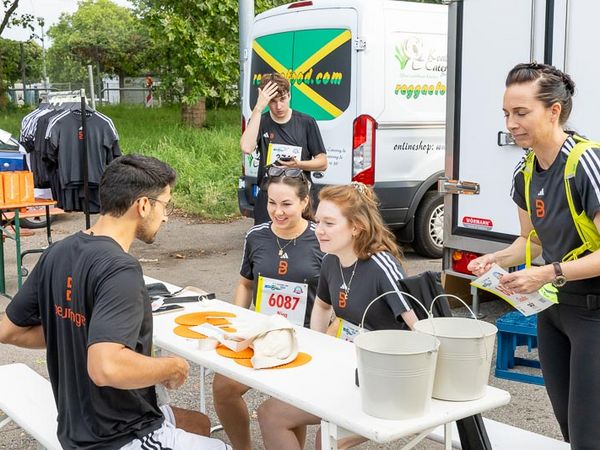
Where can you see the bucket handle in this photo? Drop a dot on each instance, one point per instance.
(470, 310)
(428, 313)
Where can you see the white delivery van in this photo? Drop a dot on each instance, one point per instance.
(487, 38)
(373, 75)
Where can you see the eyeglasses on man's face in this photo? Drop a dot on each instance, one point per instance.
(167, 206)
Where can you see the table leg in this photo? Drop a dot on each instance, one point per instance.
(48, 230)
(475, 304)
(328, 435)
(203, 373)
(418, 438)
(5, 422)
(18, 246)
(2, 275)
(203, 390)
(448, 436)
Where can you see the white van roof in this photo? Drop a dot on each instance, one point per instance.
(356, 4)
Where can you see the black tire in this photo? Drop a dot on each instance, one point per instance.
(429, 226)
(35, 222)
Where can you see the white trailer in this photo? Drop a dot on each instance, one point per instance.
(486, 39)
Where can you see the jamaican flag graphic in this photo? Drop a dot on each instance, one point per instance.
(316, 62)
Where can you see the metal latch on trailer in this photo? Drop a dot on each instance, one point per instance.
(360, 44)
(505, 138)
(446, 186)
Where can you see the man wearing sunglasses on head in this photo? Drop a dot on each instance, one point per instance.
(281, 136)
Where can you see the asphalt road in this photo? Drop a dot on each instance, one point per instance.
(208, 256)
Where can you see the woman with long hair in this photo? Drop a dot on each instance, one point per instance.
(284, 251)
(362, 262)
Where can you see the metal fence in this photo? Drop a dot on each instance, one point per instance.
(108, 95)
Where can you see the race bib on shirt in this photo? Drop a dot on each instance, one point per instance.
(276, 151)
(285, 298)
(347, 330)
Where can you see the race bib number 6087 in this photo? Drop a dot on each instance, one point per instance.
(285, 298)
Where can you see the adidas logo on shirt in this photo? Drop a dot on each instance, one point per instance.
(541, 193)
(284, 256)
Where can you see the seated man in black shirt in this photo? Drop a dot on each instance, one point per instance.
(278, 132)
(86, 303)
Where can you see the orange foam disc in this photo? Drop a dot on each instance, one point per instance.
(199, 318)
(185, 332)
(217, 321)
(301, 359)
(228, 329)
(228, 353)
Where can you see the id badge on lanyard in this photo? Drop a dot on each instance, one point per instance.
(276, 151)
(285, 298)
(347, 330)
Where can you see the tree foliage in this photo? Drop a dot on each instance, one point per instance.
(10, 18)
(10, 67)
(197, 45)
(99, 32)
(10, 57)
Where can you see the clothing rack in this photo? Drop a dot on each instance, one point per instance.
(84, 150)
(72, 98)
(89, 136)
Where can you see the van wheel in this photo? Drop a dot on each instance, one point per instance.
(429, 226)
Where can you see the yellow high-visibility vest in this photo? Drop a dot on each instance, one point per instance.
(586, 229)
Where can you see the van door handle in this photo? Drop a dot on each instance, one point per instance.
(455, 187)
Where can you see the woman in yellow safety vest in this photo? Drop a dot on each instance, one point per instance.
(557, 190)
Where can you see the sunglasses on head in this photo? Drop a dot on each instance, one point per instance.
(276, 171)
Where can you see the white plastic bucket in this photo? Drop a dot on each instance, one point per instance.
(465, 356)
(396, 370)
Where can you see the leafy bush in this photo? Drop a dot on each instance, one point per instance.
(207, 160)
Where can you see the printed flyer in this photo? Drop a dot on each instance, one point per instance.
(527, 304)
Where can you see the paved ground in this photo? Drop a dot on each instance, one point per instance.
(208, 256)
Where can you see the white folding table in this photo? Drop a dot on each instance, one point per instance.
(324, 387)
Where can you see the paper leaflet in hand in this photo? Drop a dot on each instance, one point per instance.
(527, 304)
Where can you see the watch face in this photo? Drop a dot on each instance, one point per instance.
(559, 281)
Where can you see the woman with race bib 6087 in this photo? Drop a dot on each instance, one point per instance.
(361, 263)
(557, 190)
(280, 272)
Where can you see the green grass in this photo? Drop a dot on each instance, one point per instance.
(207, 160)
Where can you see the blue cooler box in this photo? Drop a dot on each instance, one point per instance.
(10, 161)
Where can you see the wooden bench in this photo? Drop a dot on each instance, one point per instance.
(26, 398)
(505, 437)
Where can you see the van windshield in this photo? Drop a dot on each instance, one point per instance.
(318, 64)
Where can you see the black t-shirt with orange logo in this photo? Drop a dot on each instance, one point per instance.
(550, 213)
(86, 290)
(372, 277)
(300, 261)
(300, 131)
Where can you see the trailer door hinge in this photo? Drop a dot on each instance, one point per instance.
(446, 186)
(360, 44)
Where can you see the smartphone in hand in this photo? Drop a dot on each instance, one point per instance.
(285, 158)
